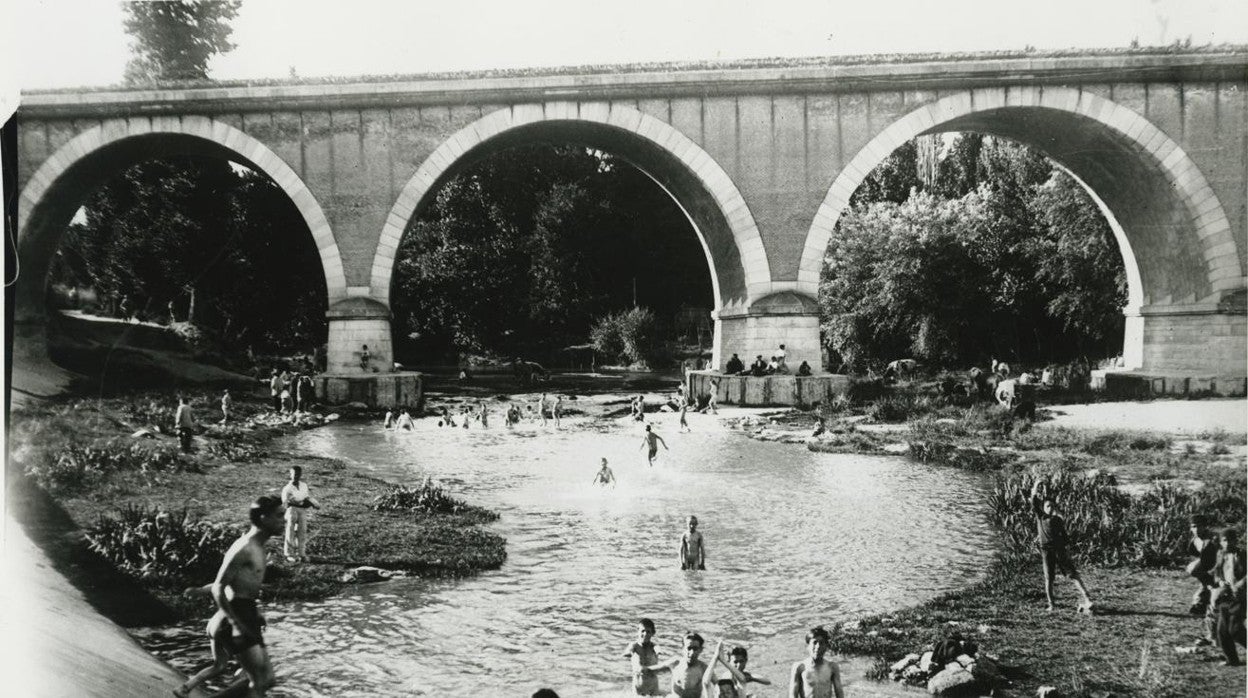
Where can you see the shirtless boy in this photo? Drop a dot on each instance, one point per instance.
(688, 672)
(816, 677)
(652, 440)
(737, 660)
(235, 591)
(641, 653)
(692, 547)
(604, 476)
(219, 642)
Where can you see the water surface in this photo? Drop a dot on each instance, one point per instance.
(794, 538)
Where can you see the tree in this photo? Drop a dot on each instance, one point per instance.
(175, 39)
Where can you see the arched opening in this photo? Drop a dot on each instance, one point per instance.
(251, 211)
(693, 182)
(522, 251)
(1172, 224)
(962, 247)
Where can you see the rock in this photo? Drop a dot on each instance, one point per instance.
(913, 675)
(925, 662)
(366, 575)
(908, 660)
(1048, 692)
(950, 682)
(355, 406)
(143, 434)
(899, 449)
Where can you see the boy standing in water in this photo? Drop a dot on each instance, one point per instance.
(652, 440)
(737, 660)
(816, 677)
(684, 416)
(688, 672)
(692, 547)
(604, 476)
(1052, 538)
(641, 653)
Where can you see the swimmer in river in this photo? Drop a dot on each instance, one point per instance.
(557, 409)
(692, 547)
(404, 421)
(541, 408)
(604, 476)
(737, 660)
(652, 440)
(816, 677)
(684, 416)
(642, 654)
(389, 421)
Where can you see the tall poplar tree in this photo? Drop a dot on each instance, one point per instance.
(175, 39)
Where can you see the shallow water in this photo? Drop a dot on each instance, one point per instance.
(793, 538)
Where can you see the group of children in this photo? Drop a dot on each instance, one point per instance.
(691, 677)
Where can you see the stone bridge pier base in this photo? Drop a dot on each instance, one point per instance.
(1185, 350)
(355, 323)
(784, 318)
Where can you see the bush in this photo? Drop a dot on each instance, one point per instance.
(1109, 527)
(428, 499)
(946, 454)
(164, 547)
(77, 465)
(626, 337)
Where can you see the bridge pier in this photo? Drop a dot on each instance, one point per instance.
(784, 318)
(353, 324)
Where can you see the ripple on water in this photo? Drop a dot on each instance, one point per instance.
(793, 538)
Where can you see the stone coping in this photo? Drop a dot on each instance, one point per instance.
(654, 80)
(767, 391)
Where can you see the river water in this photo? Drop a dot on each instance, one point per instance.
(794, 538)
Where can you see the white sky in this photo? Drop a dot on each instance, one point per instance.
(67, 43)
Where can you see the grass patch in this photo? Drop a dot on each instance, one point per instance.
(162, 524)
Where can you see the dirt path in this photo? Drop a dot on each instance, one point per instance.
(1162, 416)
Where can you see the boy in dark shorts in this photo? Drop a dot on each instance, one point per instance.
(1053, 541)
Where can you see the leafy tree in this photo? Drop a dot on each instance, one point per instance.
(522, 250)
(175, 39)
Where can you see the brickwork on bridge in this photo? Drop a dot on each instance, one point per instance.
(763, 160)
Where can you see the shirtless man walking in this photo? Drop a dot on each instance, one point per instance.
(235, 591)
(652, 440)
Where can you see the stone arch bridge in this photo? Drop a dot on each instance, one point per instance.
(763, 159)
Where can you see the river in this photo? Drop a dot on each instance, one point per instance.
(794, 538)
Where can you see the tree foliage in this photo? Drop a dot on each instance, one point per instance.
(199, 231)
(1000, 254)
(175, 39)
(519, 253)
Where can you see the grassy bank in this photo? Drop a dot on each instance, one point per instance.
(74, 466)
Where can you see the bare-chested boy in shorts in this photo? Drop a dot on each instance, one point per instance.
(236, 589)
(642, 654)
(692, 547)
(688, 672)
(816, 677)
(652, 440)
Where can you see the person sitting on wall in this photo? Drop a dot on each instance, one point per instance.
(804, 369)
(773, 366)
(735, 366)
(759, 367)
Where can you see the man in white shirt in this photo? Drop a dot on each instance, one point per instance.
(297, 501)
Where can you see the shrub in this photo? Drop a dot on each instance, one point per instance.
(1109, 527)
(428, 499)
(943, 453)
(161, 546)
(77, 465)
(626, 336)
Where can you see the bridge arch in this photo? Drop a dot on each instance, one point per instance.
(740, 272)
(1175, 237)
(56, 190)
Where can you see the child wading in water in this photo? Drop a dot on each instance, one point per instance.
(689, 674)
(692, 547)
(816, 677)
(1053, 541)
(641, 653)
(604, 476)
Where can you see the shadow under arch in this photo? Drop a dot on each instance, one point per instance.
(1179, 251)
(723, 222)
(58, 188)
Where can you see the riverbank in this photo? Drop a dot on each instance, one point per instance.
(104, 458)
(1141, 642)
